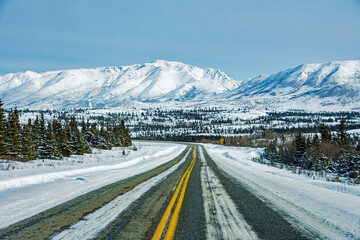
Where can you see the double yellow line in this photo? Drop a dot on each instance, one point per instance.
(175, 216)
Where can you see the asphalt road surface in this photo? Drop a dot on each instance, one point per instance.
(187, 198)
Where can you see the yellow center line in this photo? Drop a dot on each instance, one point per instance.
(164, 219)
(172, 226)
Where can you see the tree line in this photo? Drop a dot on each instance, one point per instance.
(54, 139)
(325, 151)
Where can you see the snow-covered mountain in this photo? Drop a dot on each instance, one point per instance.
(158, 81)
(328, 86)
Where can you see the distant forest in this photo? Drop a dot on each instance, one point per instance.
(56, 138)
(301, 140)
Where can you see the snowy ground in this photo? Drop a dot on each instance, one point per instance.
(30, 188)
(331, 209)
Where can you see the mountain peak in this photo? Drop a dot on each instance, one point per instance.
(319, 86)
(332, 85)
(158, 81)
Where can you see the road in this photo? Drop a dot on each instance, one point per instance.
(187, 198)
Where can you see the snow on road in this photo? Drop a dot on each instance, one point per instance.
(93, 223)
(331, 209)
(27, 189)
(223, 220)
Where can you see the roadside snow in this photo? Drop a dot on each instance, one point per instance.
(27, 189)
(331, 209)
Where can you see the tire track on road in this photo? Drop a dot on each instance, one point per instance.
(223, 220)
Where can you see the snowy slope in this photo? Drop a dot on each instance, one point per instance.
(158, 81)
(327, 86)
(332, 86)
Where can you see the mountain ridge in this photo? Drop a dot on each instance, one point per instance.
(324, 86)
(158, 81)
(321, 84)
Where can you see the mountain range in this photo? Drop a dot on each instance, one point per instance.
(333, 86)
(327, 86)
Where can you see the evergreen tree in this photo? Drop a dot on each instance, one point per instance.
(84, 126)
(123, 133)
(300, 148)
(3, 141)
(280, 155)
(117, 134)
(35, 136)
(72, 141)
(315, 152)
(14, 129)
(51, 145)
(343, 138)
(44, 148)
(325, 133)
(57, 131)
(54, 139)
(64, 142)
(26, 146)
(271, 152)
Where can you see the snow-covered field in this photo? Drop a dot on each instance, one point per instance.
(332, 209)
(30, 188)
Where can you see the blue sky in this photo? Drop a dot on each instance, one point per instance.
(242, 38)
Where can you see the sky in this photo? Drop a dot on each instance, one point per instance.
(243, 38)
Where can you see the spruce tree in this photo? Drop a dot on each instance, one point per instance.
(44, 149)
(71, 139)
(117, 134)
(300, 148)
(26, 143)
(127, 138)
(3, 143)
(54, 140)
(123, 133)
(64, 142)
(84, 126)
(325, 133)
(51, 145)
(343, 162)
(35, 136)
(57, 131)
(315, 152)
(271, 152)
(343, 138)
(14, 129)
